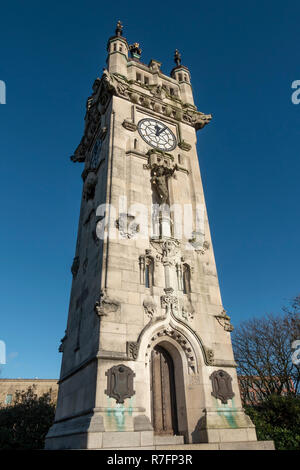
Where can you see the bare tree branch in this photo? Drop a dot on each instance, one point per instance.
(262, 348)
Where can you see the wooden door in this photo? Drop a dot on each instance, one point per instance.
(164, 414)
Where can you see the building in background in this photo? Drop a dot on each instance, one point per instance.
(254, 390)
(9, 387)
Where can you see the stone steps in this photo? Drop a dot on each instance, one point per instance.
(249, 445)
(168, 440)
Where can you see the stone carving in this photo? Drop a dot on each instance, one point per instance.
(169, 301)
(75, 266)
(89, 186)
(126, 226)
(188, 310)
(170, 248)
(92, 121)
(200, 120)
(149, 307)
(132, 349)
(159, 182)
(162, 168)
(167, 249)
(224, 321)
(106, 305)
(129, 125)
(158, 91)
(209, 356)
(194, 380)
(222, 386)
(120, 383)
(84, 266)
(62, 341)
(198, 244)
(184, 146)
(180, 339)
(196, 119)
(154, 66)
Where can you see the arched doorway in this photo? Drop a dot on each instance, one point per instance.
(164, 407)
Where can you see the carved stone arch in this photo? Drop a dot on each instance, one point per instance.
(180, 342)
(136, 350)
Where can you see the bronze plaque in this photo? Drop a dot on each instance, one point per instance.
(120, 383)
(222, 385)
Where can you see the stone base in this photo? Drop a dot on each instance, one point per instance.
(225, 425)
(88, 432)
(254, 445)
(216, 431)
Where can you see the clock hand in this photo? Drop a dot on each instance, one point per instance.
(161, 130)
(157, 130)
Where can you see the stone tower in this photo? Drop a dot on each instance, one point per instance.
(147, 356)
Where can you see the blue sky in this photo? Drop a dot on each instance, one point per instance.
(243, 58)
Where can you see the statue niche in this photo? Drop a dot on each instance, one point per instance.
(159, 180)
(162, 168)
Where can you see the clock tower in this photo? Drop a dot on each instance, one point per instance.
(147, 359)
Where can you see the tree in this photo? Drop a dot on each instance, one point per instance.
(277, 418)
(25, 423)
(263, 352)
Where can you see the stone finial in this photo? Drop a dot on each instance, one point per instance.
(177, 57)
(135, 50)
(119, 29)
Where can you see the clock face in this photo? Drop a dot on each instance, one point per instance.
(96, 153)
(157, 134)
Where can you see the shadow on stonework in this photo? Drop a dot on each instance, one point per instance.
(199, 431)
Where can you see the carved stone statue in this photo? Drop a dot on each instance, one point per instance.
(119, 29)
(177, 57)
(89, 186)
(160, 184)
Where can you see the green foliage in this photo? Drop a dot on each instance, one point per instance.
(278, 418)
(25, 423)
